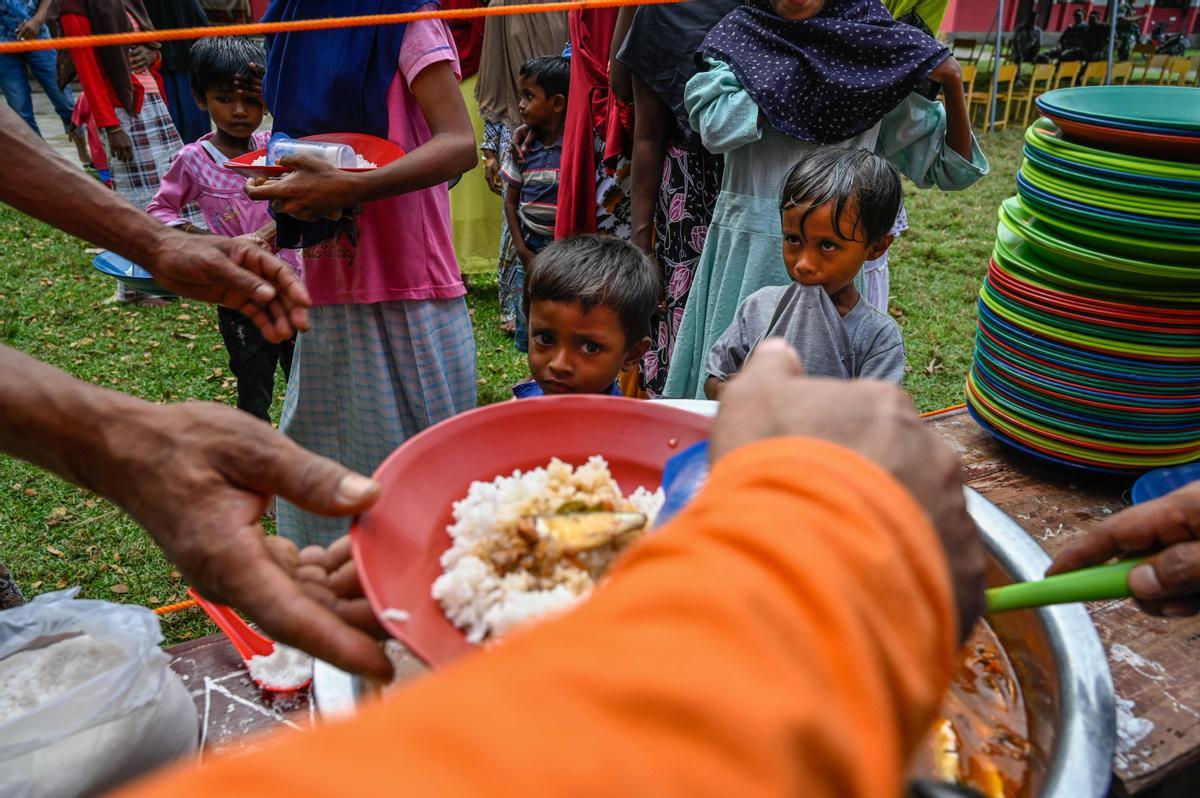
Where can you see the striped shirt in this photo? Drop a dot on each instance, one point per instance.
(537, 180)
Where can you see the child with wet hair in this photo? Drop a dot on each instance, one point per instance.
(837, 209)
(589, 300)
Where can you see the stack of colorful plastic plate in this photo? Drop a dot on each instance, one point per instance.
(1088, 347)
(1157, 121)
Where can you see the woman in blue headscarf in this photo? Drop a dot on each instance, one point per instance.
(784, 77)
(391, 349)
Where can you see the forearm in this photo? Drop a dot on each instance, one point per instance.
(649, 151)
(712, 388)
(958, 123)
(619, 76)
(56, 421)
(443, 157)
(34, 180)
(511, 200)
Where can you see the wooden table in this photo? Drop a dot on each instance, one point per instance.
(1155, 662)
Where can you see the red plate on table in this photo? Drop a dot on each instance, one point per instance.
(398, 543)
(1150, 145)
(380, 152)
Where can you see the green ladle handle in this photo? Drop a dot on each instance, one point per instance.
(1086, 584)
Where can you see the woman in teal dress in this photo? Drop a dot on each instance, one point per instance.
(777, 88)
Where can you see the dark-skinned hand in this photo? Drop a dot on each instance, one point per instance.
(772, 397)
(491, 173)
(30, 28)
(198, 477)
(119, 143)
(1167, 528)
(314, 189)
(236, 273)
(330, 576)
(141, 57)
(250, 82)
(522, 137)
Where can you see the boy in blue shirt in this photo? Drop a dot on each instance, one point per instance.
(589, 300)
(531, 202)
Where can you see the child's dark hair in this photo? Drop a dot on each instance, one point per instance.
(847, 178)
(217, 60)
(597, 271)
(551, 72)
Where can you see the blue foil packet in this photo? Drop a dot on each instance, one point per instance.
(683, 477)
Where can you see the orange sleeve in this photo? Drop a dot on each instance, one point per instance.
(788, 634)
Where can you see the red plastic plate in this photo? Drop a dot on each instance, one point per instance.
(379, 151)
(397, 544)
(1150, 145)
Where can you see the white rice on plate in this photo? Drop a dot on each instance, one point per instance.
(487, 589)
(361, 162)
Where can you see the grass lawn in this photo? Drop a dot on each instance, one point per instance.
(52, 306)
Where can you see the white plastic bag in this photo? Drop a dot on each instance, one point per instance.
(117, 725)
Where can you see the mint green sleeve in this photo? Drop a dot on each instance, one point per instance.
(913, 137)
(720, 109)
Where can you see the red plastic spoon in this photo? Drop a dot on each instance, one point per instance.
(248, 642)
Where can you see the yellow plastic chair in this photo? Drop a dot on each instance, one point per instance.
(1176, 72)
(1095, 71)
(1193, 75)
(1121, 73)
(969, 71)
(1039, 84)
(1067, 74)
(1155, 69)
(1006, 79)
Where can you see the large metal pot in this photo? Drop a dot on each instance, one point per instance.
(1060, 664)
(1057, 655)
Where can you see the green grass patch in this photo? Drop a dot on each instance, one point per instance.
(52, 306)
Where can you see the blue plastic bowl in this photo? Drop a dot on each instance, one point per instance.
(129, 273)
(1161, 481)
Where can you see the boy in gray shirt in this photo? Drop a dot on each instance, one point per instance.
(838, 206)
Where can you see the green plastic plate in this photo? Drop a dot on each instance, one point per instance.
(1175, 107)
(1045, 135)
(1082, 450)
(1016, 224)
(1024, 260)
(1188, 210)
(1107, 242)
(1113, 180)
(1125, 223)
(1055, 331)
(1096, 338)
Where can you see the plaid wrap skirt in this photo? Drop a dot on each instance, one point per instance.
(364, 380)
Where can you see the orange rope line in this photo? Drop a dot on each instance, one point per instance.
(257, 28)
(168, 609)
(944, 410)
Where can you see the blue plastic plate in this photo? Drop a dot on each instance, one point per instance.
(1161, 481)
(129, 273)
